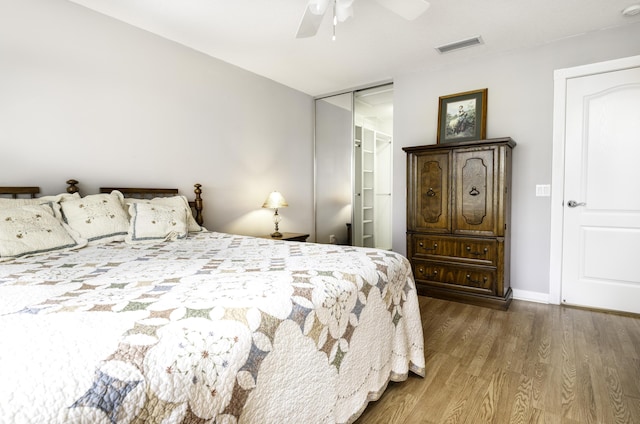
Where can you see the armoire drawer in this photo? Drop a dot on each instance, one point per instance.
(473, 250)
(458, 277)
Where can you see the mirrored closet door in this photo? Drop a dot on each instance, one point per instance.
(333, 168)
(353, 175)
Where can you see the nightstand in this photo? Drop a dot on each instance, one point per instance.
(289, 237)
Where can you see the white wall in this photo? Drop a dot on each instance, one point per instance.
(87, 97)
(520, 105)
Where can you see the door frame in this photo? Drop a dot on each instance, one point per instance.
(561, 77)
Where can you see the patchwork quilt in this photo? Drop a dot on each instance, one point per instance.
(215, 328)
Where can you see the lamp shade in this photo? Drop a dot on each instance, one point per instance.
(275, 200)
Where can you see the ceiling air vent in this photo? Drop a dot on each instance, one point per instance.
(473, 41)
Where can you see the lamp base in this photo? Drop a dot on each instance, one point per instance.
(277, 234)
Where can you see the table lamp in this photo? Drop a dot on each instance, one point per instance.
(275, 200)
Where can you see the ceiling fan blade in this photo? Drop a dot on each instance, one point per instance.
(408, 9)
(309, 24)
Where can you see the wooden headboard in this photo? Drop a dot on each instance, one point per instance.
(14, 192)
(149, 193)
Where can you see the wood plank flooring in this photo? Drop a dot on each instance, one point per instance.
(534, 363)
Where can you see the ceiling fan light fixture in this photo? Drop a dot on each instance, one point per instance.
(343, 10)
(457, 45)
(343, 13)
(318, 7)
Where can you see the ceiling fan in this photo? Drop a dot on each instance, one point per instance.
(343, 9)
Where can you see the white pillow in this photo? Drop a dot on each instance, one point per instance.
(33, 229)
(151, 223)
(99, 218)
(174, 201)
(14, 203)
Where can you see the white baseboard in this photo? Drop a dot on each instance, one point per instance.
(530, 296)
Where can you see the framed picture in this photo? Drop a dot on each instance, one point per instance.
(462, 116)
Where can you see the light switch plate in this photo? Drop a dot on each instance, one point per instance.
(543, 190)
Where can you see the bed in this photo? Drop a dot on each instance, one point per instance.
(185, 325)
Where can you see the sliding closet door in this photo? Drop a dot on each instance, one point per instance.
(353, 175)
(333, 168)
(373, 176)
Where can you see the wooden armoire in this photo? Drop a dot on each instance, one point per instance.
(459, 220)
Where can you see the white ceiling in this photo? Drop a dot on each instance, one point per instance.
(373, 46)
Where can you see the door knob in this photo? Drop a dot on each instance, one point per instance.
(574, 204)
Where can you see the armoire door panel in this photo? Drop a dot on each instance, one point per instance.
(474, 193)
(433, 203)
(474, 202)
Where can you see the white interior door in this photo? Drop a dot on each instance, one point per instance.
(601, 215)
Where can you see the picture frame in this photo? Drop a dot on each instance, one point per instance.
(462, 116)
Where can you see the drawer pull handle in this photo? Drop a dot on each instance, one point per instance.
(435, 246)
(476, 282)
(484, 251)
(474, 191)
(430, 192)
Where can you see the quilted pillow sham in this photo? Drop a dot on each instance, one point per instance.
(174, 201)
(99, 218)
(151, 223)
(34, 229)
(15, 203)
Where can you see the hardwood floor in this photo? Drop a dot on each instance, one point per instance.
(534, 363)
